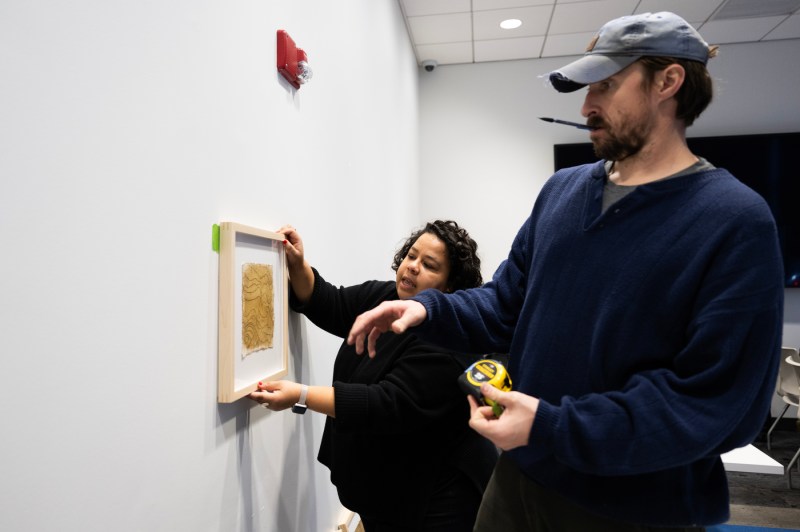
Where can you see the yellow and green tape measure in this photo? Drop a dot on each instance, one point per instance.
(490, 371)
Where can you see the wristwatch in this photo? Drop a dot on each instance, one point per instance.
(300, 406)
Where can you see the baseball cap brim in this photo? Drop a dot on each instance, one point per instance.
(588, 69)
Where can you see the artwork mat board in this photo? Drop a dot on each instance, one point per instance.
(239, 375)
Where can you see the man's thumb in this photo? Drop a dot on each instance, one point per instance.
(491, 392)
(399, 325)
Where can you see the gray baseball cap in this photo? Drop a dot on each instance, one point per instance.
(624, 40)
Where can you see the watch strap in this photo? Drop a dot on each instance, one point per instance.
(300, 406)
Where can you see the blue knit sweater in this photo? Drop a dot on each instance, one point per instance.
(650, 332)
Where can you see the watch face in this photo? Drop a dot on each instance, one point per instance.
(299, 409)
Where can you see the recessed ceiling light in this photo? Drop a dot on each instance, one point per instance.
(511, 23)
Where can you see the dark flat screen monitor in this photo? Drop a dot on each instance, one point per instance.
(767, 163)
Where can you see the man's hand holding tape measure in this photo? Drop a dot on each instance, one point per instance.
(498, 414)
(513, 428)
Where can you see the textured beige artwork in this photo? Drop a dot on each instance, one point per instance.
(258, 307)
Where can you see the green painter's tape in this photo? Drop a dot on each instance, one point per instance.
(215, 237)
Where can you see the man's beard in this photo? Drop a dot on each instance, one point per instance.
(618, 147)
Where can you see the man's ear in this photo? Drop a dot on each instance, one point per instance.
(670, 80)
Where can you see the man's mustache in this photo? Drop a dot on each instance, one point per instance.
(595, 121)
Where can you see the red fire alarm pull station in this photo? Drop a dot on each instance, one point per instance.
(292, 61)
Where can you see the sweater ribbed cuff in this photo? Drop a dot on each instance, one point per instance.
(543, 430)
(351, 404)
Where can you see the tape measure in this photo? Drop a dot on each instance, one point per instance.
(485, 370)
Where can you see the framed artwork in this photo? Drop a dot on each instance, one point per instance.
(253, 310)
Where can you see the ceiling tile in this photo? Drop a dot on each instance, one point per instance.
(433, 29)
(535, 20)
(738, 30)
(507, 49)
(691, 10)
(415, 8)
(485, 5)
(750, 9)
(788, 29)
(588, 16)
(566, 44)
(446, 54)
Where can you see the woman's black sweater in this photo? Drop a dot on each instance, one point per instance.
(401, 420)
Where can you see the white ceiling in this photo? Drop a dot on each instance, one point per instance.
(468, 31)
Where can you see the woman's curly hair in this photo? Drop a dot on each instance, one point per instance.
(462, 250)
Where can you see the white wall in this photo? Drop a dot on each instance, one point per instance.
(126, 130)
(484, 155)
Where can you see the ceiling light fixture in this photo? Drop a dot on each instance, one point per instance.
(511, 23)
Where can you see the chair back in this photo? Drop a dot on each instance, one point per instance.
(789, 376)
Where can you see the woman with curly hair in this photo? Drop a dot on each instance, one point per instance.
(396, 438)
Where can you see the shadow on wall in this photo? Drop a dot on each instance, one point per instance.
(298, 505)
(258, 483)
(792, 306)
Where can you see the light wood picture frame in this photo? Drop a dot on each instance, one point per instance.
(253, 310)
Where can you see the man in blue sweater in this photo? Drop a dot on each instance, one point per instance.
(641, 306)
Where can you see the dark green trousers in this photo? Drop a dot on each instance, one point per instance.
(514, 503)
